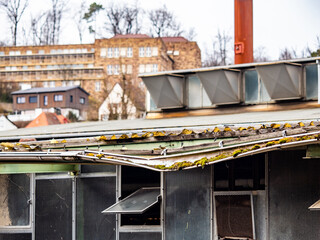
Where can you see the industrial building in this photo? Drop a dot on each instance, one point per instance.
(244, 165)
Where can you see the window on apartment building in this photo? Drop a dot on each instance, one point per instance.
(33, 99)
(116, 69)
(148, 52)
(148, 68)
(98, 86)
(109, 69)
(65, 50)
(14, 68)
(53, 51)
(52, 84)
(45, 100)
(41, 52)
(90, 65)
(122, 52)
(103, 52)
(24, 67)
(21, 100)
(110, 52)
(71, 98)
(141, 52)
(129, 69)
(141, 68)
(176, 53)
(155, 68)
(58, 98)
(28, 52)
(84, 50)
(129, 52)
(116, 52)
(155, 51)
(78, 50)
(45, 84)
(37, 67)
(72, 51)
(1, 53)
(82, 100)
(123, 69)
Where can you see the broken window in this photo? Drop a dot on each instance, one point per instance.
(15, 200)
(133, 179)
(234, 217)
(240, 174)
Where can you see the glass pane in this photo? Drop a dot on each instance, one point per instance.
(140, 236)
(93, 196)
(194, 92)
(17, 236)
(54, 209)
(312, 81)
(234, 217)
(14, 199)
(97, 168)
(136, 203)
(251, 86)
(187, 213)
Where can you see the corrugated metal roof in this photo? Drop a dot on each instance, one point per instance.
(47, 90)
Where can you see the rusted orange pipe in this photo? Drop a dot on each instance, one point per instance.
(243, 31)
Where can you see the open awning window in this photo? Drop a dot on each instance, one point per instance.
(315, 206)
(136, 203)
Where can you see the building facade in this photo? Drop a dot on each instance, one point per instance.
(95, 67)
(31, 102)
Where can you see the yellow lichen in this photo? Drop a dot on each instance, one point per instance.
(102, 138)
(227, 129)
(202, 162)
(90, 154)
(53, 141)
(100, 155)
(237, 152)
(124, 136)
(7, 145)
(63, 141)
(241, 129)
(251, 128)
(286, 125)
(187, 132)
(311, 123)
(134, 135)
(256, 146)
(158, 134)
(180, 165)
(147, 134)
(275, 125)
(216, 129)
(113, 137)
(301, 124)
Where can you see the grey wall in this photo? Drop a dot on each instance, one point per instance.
(294, 184)
(187, 200)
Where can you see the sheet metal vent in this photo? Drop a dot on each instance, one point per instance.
(222, 86)
(166, 91)
(282, 81)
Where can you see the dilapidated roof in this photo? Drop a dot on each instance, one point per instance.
(167, 144)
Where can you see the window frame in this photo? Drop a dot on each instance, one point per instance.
(21, 100)
(129, 52)
(34, 99)
(82, 100)
(141, 52)
(56, 98)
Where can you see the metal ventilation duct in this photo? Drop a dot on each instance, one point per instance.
(222, 86)
(165, 91)
(282, 81)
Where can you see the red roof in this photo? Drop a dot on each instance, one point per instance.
(131, 36)
(174, 39)
(47, 118)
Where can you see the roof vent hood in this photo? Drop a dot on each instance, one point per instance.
(166, 91)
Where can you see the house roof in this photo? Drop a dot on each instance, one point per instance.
(131, 36)
(47, 118)
(48, 90)
(174, 39)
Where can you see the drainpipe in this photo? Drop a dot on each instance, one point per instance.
(243, 31)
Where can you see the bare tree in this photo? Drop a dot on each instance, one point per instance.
(260, 54)
(164, 23)
(79, 20)
(286, 54)
(123, 19)
(218, 54)
(46, 26)
(14, 10)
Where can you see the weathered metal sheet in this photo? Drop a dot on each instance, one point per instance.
(165, 91)
(282, 81)
(222, 86)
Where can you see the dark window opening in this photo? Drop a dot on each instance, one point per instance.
(45, 100)
(71, 98)
(234, 217)
(132, 179)
(33, 99)
(240, 174)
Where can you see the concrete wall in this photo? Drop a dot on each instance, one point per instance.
(294, 185)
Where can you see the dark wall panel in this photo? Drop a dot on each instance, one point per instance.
(294, 184)
(187, 200)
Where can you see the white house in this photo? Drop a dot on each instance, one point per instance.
(6, 124)
(111, 108)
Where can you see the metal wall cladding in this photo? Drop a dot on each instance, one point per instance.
(166, 91)
(282, 81)
(222, 86)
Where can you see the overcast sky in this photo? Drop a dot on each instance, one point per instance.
(277, 23)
